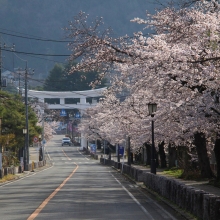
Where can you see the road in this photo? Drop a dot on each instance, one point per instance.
(77, 187)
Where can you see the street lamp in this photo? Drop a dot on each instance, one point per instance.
(152, 107)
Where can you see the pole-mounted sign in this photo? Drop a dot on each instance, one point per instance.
(35, 139)
(63, 112)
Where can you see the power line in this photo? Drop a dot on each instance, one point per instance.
(55, 61)
(74, 92)
(43, 82)
(38, 54)
(35, 38)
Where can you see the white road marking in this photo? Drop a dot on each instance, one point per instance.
(160, 208)
(150, 217)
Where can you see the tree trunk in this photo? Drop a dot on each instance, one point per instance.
(148, 149)
(203, 159)
(183, 158)
(217, 157)
(172, 156)
(185, 162)
(163, 162)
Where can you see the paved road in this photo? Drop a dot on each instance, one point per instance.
(77, 187)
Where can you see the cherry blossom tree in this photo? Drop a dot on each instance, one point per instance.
(48, 127)
(177, 67)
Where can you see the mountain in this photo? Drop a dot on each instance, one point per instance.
(45, 19)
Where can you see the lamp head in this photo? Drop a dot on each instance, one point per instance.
(152, 107)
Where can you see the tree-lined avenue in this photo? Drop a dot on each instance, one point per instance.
(76, 187)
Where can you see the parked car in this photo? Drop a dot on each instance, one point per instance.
(66, 140)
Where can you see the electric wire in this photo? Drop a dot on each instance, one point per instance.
(74, 92)
(44, 92)
(33, 38)
(38, 54)
(41, 55)
(42, 58)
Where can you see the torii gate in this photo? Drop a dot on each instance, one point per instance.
(82, 105)
(82, 95)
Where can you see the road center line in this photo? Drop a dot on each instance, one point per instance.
(66, 155)
(46, 201)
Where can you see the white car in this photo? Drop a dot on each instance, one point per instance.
(66, 140)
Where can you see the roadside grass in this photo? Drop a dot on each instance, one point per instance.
(8, 178)
(174, 172)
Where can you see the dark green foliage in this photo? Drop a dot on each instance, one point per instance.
(60, 80)
(12, 114)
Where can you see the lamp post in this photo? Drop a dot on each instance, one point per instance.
(129, 150)
(152, 107)
(128, 144)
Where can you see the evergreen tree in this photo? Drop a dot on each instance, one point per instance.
(60, 80)
(12, 114)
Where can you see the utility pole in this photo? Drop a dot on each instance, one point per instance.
(0, 147)
(26, 147)
(4, 84)
(19, 81)
(0, 63)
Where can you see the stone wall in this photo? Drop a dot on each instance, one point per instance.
(201, 204)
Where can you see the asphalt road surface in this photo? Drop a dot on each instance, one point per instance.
(77, 187)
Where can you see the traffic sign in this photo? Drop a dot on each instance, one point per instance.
(77, 115)
(35, 139)
(63, 112)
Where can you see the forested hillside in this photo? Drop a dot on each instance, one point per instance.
(46, 20)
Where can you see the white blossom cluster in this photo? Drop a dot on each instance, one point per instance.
(177, 67)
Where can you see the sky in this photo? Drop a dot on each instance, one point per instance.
(28, 23)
